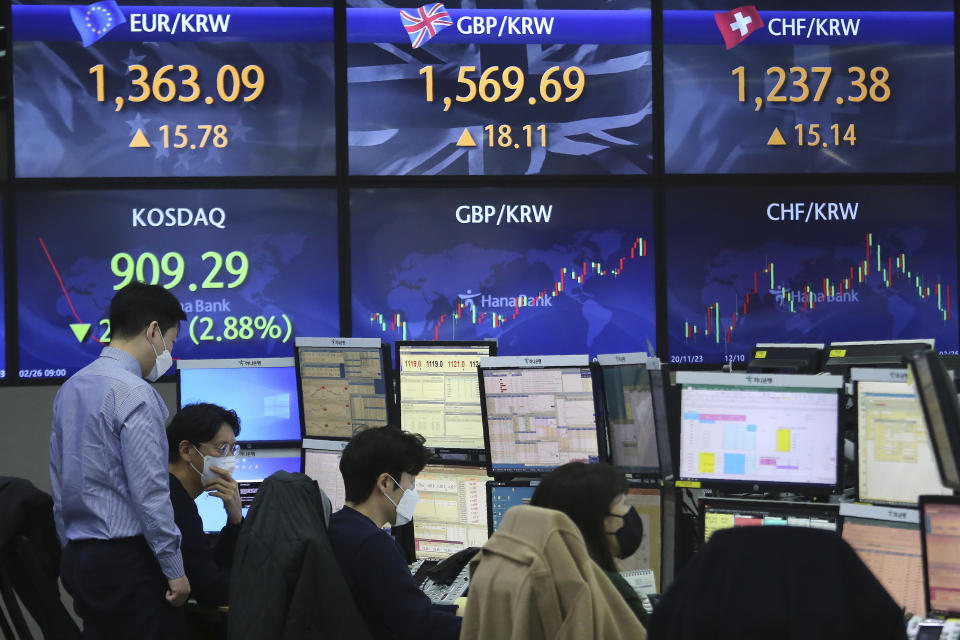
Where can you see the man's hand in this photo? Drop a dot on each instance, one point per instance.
(227, 489)
(179, 591)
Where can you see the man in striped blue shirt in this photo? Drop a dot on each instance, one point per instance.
(109, 479)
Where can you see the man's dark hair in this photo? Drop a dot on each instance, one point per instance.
(584, 492)
(138, 304)
(198, 423)
(380, 450)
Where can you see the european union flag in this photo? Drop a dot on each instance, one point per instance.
(96, 20)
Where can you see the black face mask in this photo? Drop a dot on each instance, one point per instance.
(630, 535)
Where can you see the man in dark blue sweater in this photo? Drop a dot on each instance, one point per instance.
(379, 467)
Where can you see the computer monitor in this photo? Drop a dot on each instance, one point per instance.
(895, 462)
(629, 415)
(785, 358)
(539, 412)
(666, 445)
(263, 392)
(649, 506)
(323, 465)
(452, 512)
(730, 513)
(887, 539)
(439, 393)
(940, 538)
(343, 385)
(503, 494)
(941, 412)
(743, 430)
(841, 356)
(254, 465)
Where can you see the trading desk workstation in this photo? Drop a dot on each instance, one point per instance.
(860, 439)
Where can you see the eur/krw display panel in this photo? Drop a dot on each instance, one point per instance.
(813, 86)
(252, 268)
(808, 265)
(157, 89)
(543, 271)
(485, 87)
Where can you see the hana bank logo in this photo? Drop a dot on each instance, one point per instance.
(478, 300)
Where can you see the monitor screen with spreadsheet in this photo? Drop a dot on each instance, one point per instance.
(729, 513)
(324, 467)
(940, 522)
(537, 419)
(895, 461)
(451, 514)
(263, 392)
(503, 495)
(254, 465)
(892, 552)
(343, 388)
(759, 429)
(440, 393)
(630, 419)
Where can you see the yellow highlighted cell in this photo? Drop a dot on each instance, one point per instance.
(783, 440)
(707, 462)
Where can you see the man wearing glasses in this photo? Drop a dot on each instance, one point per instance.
(202, 441)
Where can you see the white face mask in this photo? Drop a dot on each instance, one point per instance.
(225, 463)
(163, 363)
(406, 506)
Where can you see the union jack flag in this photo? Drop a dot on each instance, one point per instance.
(426, 22)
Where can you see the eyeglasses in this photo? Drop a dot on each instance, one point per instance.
(223, 449)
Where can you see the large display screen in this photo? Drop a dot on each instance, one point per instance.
(162, 89)
(544, 271)
(808, 265)
(851, 86)
(252, 269)
(494, 87)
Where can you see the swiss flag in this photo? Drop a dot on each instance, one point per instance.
(737, 24)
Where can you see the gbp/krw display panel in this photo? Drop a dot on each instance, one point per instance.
(544, 271)
(252, 269)
(160, 89)
(790, 87)
(815, 264)
(500, 88)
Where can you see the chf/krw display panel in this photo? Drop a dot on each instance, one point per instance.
(252, 269)
(544, 271)
(808, 265)
(790, 87)
(165, 89)
(500, 88)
